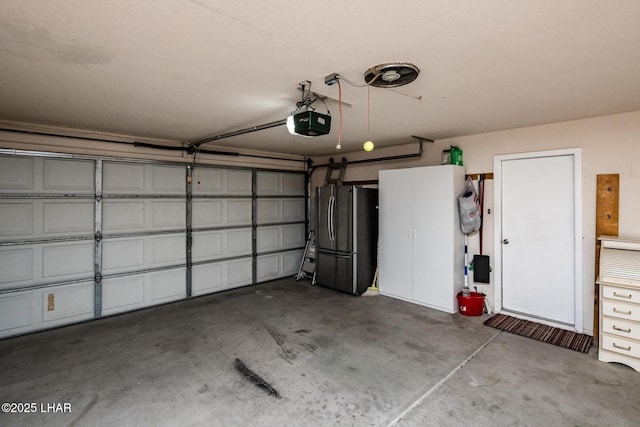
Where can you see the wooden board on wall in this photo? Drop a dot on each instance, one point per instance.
(607, 209)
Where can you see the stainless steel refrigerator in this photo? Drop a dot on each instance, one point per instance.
(347, 237)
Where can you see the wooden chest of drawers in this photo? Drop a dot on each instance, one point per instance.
(619, 281)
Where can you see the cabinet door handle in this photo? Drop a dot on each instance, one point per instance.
(627, 296)
(627, 312)
(625, 330)
(628, 348)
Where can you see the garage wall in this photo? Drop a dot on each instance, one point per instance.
(610, 144)
(91, 237)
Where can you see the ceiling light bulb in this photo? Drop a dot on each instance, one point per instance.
(291, 126)
(391, 76)
(368, 146)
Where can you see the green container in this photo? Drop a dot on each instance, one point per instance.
(456, 156)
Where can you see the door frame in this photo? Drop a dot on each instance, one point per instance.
(577, 204)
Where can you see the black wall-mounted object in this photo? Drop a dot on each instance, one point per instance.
(481, 268)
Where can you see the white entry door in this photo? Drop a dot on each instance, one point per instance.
(538, 199)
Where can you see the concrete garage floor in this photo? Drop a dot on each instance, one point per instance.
(335, 360)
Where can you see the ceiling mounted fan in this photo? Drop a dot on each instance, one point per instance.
(391, 74)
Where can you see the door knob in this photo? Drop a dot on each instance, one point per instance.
(505, 241)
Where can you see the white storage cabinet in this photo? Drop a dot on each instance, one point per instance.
(421, 246)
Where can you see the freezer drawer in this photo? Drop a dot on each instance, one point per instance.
(335, 271)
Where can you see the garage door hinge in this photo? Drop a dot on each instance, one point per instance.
(98, 278)
(98, 236)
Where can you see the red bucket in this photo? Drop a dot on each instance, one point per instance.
(472, 305)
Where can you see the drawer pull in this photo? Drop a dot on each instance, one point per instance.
(627, 330)
(622, 347)
(627, 296)
(627, 312)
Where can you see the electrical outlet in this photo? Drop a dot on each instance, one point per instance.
(51, 302)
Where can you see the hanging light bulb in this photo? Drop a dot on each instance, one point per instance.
(368, 144)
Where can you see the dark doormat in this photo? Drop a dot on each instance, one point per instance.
(540, 332)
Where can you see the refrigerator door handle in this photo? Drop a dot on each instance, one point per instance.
(333, 209)
(329, 217)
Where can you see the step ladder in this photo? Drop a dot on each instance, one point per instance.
(335, 172)
(307, 268)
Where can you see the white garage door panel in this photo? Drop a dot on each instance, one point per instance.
(132, 178)
(213, 213)
(122, 178)
(238, 273)
(274, 266)
(292, 184)
(75, 176)
(16, 312)
(207, 213)
(268, 210)
(33, 264)
(129, 254)
(268, 238)
(273, 183)
(167, 179)
(206, 278)
(16, 266)
(127, 293)
(238, 242)
(16, 173)
(68, 218)
(210, 181)
(121, 216)
(267, 183)
(293, 210)
(278, 210)
(122, 293)
(65, 261)
(29, 311)
(71, 303)
(167, 215)
(239, 212)
(292, 236)
(268, 267)
(238, 182)
(291, 262)
(166, 250)
(16, 219)
(122, 255)
(166, 285)
(207, 245)
(280, 237)
(32, 219)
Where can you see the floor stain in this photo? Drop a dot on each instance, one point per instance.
(255, 379)
(287, 352)
(311, 348)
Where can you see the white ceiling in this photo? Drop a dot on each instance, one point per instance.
(185, 70)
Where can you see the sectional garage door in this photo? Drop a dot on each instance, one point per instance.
(86, 238)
